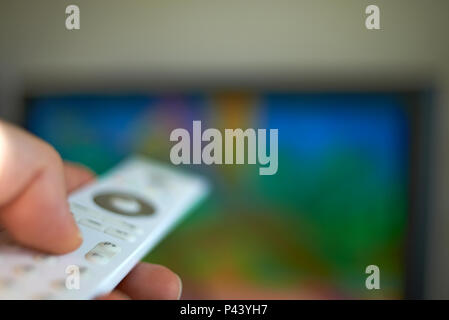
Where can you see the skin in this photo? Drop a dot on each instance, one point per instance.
(34, 185)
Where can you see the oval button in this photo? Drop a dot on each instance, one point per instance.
(124, 204)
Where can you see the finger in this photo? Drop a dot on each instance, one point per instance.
(76, 176)
(114, 295)
(33, 197)
(151, 282)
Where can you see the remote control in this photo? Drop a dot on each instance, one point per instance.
(122, 216)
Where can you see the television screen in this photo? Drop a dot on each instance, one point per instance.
(338, 203)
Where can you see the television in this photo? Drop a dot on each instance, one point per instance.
(350, 190)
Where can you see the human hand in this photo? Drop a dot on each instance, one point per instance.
(34, 184)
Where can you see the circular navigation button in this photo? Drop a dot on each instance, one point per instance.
(124, 204)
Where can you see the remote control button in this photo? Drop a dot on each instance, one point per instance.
(109, 247)
(160, 181)
(102, 252)
(130, 227)
(42, 296)
(125, 226)
(79, 208)
(130, 206)
(92, 224)
(40, 257)
(24, 269)
(124, 204)
(97, 257)
(58, 284)
(6, 283)
(83, 270)
(120, 234)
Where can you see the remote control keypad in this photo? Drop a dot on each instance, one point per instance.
(114, 227)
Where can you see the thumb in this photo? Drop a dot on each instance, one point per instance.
(33, 198)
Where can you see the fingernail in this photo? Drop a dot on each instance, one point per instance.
(79, 239)
(180, 288)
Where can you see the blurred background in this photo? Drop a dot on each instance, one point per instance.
(363, 162)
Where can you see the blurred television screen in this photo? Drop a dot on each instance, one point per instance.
(339, 202)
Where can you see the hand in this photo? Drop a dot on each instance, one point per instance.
(145, 281)
(34, 184)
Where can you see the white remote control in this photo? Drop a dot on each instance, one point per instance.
(122, 216)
